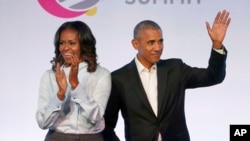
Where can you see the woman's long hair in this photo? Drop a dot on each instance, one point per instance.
(87, 44)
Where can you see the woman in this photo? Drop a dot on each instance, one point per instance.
(74, 93)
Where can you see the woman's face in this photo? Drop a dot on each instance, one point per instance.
(69, 46)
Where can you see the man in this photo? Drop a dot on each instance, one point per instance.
(150, 92)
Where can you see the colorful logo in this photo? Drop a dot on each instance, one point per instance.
(69, 8)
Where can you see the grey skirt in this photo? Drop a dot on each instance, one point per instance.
(54, 136)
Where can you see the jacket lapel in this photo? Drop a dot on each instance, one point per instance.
(162, 75)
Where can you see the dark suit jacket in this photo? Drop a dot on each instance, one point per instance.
(174, 77)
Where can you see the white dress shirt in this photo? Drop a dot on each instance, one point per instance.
(82, 109)
(149, 82)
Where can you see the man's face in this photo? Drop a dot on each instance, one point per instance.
(149, 45)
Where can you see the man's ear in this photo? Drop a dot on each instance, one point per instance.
(135, 44)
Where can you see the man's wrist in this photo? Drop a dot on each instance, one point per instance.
(217, 45)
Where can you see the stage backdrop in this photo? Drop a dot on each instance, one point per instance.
(27, 29)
